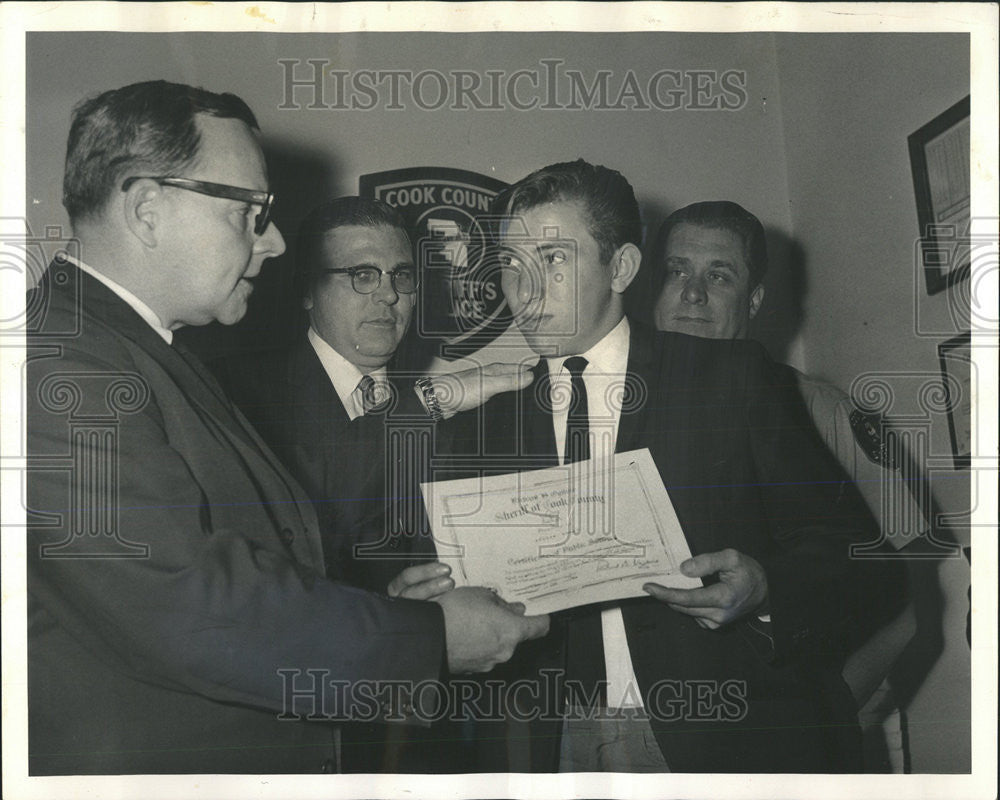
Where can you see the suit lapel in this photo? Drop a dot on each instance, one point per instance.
(537, 435)
(536, 432)
(640, 380)
(305, 371)
(343, 442)
(202, 391)
(178, 361)
(208, 395)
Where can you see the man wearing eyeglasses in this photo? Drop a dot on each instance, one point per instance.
(179, 616)
(330, 407)
(323, 405)
(358, 261)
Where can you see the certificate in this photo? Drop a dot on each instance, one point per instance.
(561, 537)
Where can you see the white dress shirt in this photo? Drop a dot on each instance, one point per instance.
(604, 379)
(134, 302)
(345, 377)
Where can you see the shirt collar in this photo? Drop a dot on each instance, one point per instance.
(133, 302)
(609, 356)
(342, 373)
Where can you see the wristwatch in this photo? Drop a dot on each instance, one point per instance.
(430, 398)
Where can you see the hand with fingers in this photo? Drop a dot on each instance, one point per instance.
(422, 582)
(481, 629)
(740, 590)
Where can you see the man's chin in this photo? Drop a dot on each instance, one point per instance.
(376, 353)
(381, 345)
(546, 346)
(231, 313)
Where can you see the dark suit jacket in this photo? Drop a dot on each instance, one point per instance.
(744, 470)
(363, 477)
(369, 509)
(165, 649)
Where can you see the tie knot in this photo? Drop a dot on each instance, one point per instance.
(575, 365)
(370, 399)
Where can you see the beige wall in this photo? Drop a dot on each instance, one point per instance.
(849, 102)
(736, 154)
(671, 157)
(818, 153)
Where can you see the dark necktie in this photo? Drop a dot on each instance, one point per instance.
(369, 398)
(584, 639)
(577, 447)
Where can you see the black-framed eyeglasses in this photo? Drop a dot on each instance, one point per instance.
(367, 280)
(263, 199)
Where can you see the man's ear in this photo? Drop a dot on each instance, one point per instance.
(307, 301)
(142, 206)
(625, 266)
(756, 299)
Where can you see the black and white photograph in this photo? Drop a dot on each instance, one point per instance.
(499, 399)
(939, 156)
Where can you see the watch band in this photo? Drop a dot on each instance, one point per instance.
(430, 398)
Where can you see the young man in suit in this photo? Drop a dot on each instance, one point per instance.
(741, 674)
(176, 586)
(707, 266)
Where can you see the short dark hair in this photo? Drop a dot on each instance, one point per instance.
(610, 208)
(146, 128)
(336, 213)
(723, 214)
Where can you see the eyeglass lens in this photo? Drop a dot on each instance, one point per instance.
(368, 279)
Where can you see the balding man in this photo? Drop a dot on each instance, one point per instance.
(180, 619)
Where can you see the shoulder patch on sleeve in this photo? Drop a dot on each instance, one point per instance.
(868, 436)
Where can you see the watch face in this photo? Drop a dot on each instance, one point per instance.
(460, 303)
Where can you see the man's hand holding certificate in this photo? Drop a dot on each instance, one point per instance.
(564, 536)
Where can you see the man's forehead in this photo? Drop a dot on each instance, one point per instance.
(347, 240)
(554, 221)
(723, 243)
(229, 145)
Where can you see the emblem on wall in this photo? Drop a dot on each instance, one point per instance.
(461, 306)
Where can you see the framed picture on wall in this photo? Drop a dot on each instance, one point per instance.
(956, 374)
(939, 159)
